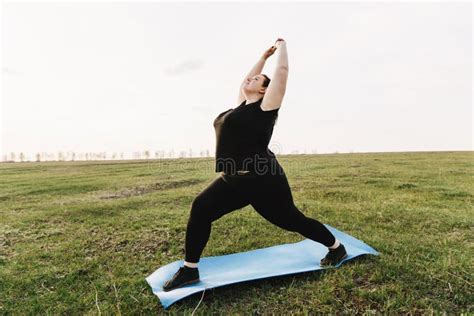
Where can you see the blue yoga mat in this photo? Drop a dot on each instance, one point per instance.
(256, 264)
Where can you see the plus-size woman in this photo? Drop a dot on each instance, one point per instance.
(250, 172)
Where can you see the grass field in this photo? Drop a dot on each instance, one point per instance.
(80, 237)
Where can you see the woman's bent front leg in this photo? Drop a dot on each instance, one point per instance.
(218, 199)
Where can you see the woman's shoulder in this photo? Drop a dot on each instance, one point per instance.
(267, 112)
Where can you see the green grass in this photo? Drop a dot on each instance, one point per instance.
(79, 237)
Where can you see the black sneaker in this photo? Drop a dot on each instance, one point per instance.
(334, 256)
(184, 275)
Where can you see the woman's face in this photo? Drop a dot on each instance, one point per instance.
(254, 84)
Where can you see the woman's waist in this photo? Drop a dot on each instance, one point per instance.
(251, 169)
(238, 173)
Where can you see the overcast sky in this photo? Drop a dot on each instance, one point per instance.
(364, 77)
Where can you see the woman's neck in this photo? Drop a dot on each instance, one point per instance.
(253, 99)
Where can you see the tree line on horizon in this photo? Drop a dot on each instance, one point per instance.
(87, 156)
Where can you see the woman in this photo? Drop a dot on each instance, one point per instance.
(250, 172)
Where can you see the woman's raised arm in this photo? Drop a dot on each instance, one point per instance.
(256, 69)
(277, 87)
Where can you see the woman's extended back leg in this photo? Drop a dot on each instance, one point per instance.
(273, 200)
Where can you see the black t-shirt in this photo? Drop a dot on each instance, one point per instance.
(242, 138)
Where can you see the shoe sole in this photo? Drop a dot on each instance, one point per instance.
(185, 283)
(333, 264)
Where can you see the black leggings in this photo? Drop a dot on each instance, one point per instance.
(269, 195)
